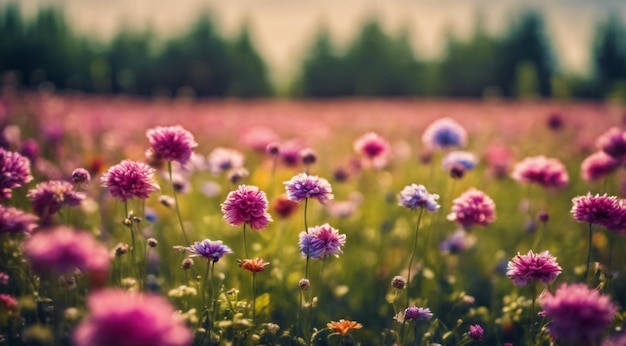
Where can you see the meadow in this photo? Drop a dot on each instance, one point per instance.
(403, 271)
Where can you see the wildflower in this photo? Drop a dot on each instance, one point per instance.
(272, 149)
(187, 263)
(124, 319)
(498, 159)
(30, 149)
(533, 267)
(81, 176)
(599, 209)
(416, 196)
(577, 313)
(224, 159)
(212, 250)
(444, 133)
(172, 143)
(129, 179)
(476, 331)
(258, 138)
(555, 121)
(121, 249)
(597, 166)
(613, 142)
(14, 172)
(304, 284)
(247, 204)
(49, 197)
(343, 327)
(303, 186)
(464, 159)
(7, 302)
(418, 314)
(398, 282)
(167, 201)
(284, 207)
(341, 209)
(547, 172)
(457, 242)
(473, 207)
(16, 221)
(152, 242)
(290, 153)
(254, 265)
(321, 241)
(374, 148)
(308, 156)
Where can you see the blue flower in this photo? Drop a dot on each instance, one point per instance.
(210, 249)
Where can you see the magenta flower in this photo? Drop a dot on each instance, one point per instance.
(212, 250)
(303, 186)
(577, 313)
(321, 242)
(16, 221)
(601, 210)
(172, 143)
(613, 143)
(416, 196)
(124, 318)
(597, 166)
(547, 172)
(444, 133)
(247, 204)
(81, 176)
(533, 267)
(374, 148)
(223, 159)
(14, 172)
(49, 197)
(129, 179)
(417, 313)
(473, 207)
(476, 332)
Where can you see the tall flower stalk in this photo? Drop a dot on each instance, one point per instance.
(180, 218)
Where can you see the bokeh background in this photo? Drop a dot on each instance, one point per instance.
(321, 48)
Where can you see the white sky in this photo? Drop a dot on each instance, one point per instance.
(284, 29)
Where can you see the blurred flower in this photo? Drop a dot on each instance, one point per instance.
(555, 121)
(172, 143)
(272, 149)
(498, 159)
(14, 172)
(187, 263)
(130, 319)
(538, 267)
(597, 166)
(236, 175)
(30, 149)
(416, 196)
(599, 210)
(212, 250)
(81, 176)
(254, 265)
(289, 153)
(211, 189)
(16, 221)
(247, 204)
(4, 278)
(398, 282)
(257, 138)
(343, 327)
(547, 172)
(321, 242)
(152, 242)
(284, 207)
(49, 197)
(308, 156)
(62, 249)
(473, 207)
(476, 332)
(223, 159)
(341, 209)
(618, 339)
(418, 314)
(374, 148)
(465, 159)
(303, 186)
(457, 242)
(7, 302)
(577, 313)
(613, 142)
(444, 133)
(304, 284)
(129, 179)
(167, 201)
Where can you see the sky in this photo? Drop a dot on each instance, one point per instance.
(283, 30)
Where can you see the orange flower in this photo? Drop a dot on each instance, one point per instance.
(344, 326)
(253, 265)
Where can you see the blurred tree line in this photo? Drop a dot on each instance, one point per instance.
(44, 51)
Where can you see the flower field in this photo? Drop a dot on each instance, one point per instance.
(347, 222)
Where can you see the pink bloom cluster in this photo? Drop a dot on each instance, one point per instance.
(542, 267)
(171, 143)
(472, 208)
(374, 149)
(613, 143)
(129, 179)
(547, 172)
(247, 204)
(604, 210)
(321, 241)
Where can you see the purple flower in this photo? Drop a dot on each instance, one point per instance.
(444, 133)
(212, 250)
(172, 143)
(14, 172)
(464, 159)
(473, 207)
(124, 318)
(247, 204)
(49, 197)
(321, 242)
(63, 249)
(597, 166)
(223, 159)
(129, 179)
(457, 242)
(303, 186)
(418, 314)
(533, 267)
(374, 148)
(547, 172)
(577, 313)
(613, 143)
(416, 196)
(290, 153)
(476, 332)
(16, 221)
(4, 278)
(81, 176)
(602, 210)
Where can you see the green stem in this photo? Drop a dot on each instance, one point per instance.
(306, 204)
(408, 285)
(253, 298)
(588, 253)
(531, 336)
(180, 219)
(204, 285)
(132, 237)
(245, 248)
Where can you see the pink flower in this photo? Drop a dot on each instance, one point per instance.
(14, 172)
(476, 331)
(538, 267)
(597, 166)
(601, 210)
(49, 197)
(130, 319)
(547, 172)
(129, 179)
(223, 159)
(473, 207)
(247, 204)
(613, 143)
(374, 148)
(321, 241)
(16, 221)
(172, 143)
